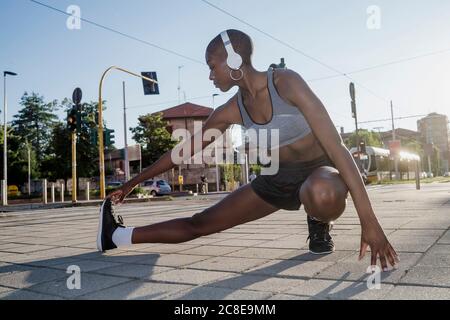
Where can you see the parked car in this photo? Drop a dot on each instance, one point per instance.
(114, 184)
(157, 187)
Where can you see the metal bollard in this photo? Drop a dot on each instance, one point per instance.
(4, 188)
(417, 169)
(53, 192)
(87, 191)
(44, 191)
(62, 191)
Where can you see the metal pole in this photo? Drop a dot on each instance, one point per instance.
(127, 165)
(101, 158)
(173, 179)
(352, 92)
(53, 192)
(393, 139)
(87, 191)
(417, 175)
(140, 158)
(5, 148)
(74, 167)
(246, 168)
(179, 174)
(429, 164)
(62, 191)
(217, 168)
(44, 191)
(29, 170)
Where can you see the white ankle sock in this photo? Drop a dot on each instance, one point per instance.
(122, 236)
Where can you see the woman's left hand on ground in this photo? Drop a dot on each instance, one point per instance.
(375, 238)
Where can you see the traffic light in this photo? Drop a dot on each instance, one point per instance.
(72, 119)
(150, 87)
(108, 135)
(362, 147)
(92, 119)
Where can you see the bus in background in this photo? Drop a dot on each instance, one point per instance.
(378, 165)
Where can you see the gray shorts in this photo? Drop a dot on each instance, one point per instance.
(282, 189)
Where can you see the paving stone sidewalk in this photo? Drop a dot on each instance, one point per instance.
(264, 259)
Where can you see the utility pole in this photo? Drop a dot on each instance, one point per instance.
(29, 168)
(393, 140)
(355, 116)
(74, 167)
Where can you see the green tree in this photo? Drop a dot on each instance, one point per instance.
(35, 122)
(152, 135)
(57, 164)
(18, 158)
(371, 139)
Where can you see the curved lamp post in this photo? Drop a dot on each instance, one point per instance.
(100, 125)
(5, 145)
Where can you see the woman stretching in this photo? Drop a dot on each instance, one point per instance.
(315, 168)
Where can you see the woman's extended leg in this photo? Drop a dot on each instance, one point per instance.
(241, 206)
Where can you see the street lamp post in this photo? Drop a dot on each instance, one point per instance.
(127, 162)
(100, 124)
(5, 144)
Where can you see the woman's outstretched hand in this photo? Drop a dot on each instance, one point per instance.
(380, 247)
(119, 195)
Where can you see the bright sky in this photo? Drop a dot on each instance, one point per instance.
(52, 59)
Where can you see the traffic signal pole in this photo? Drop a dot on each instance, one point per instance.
(74, 167)
(74, 125)
(101, 151)
(393, 139)
(355, 115)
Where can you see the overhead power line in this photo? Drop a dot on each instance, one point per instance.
(120, 33)
(390, 119)
(340, 73)
(385, 64)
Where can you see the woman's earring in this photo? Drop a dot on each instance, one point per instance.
(236, 79)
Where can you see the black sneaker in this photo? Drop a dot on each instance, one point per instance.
(108, 223)
(320, 241)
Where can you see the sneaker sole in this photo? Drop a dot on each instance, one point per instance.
(100, 228)
(321, 253)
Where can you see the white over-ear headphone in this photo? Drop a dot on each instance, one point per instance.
(234, 60)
